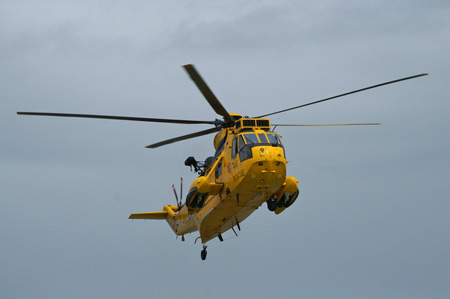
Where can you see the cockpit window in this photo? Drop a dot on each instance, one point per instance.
(220, 147)
(234, 148)
(263, 138)
(274, 138)
(219, 169)
(241, 142)
(245, 151)
(251, 138)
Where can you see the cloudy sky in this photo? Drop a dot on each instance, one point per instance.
(372, 219)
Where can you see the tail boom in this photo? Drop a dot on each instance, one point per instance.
(179, 220)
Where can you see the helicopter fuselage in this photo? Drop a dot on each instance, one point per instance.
(249, 168)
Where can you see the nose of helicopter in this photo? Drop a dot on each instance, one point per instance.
(269, 169)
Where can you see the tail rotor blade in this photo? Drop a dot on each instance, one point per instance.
(181, 191)
(176, 196)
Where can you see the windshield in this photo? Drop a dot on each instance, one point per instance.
(263, 138)
(251, 138)
(256, 139)
(274, 138)
(271, 138)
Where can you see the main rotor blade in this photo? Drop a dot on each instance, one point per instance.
(184, 137)
(206, 91)
(345, 94)
(324, 125)
(146, 119)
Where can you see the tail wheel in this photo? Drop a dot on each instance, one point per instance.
(203, 254)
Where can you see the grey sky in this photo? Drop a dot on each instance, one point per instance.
(372, 217)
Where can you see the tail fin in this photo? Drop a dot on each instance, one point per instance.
(167, 213)
(180, 222)
(150, 215)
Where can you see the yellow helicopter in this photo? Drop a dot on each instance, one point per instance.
(247, 169)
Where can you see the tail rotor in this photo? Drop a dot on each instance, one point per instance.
(181, 193)
(179, 201)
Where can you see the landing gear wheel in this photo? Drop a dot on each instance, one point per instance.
(203, 253)
(272, 204)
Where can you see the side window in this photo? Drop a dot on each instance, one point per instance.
(234, 148)
(241, 142)
(219, 148)
(219, 169)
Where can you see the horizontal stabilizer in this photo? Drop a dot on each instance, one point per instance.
(149, 215)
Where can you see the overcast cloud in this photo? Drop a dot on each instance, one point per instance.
(372, 219)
